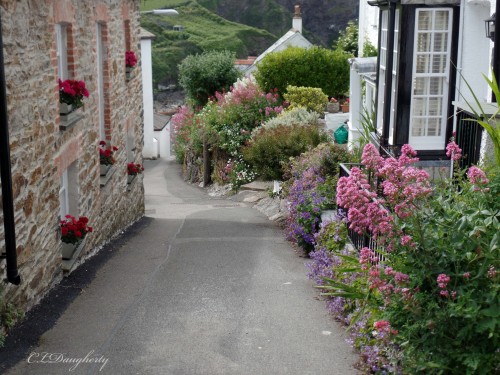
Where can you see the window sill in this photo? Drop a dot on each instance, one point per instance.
(131, 179)
(104, 179)
(70, 120)
(68, 264)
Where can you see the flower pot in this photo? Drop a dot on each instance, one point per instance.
(104, 169)
(130, 178)
(332, 107)
(344, 108)
(129, 73)
(68, 249)
(65, 109)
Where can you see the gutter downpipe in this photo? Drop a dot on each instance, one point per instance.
(6, 176)
(496, 49)
(388, 78)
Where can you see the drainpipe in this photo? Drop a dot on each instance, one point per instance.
(7, 198)
(496, 48)
(388, 78)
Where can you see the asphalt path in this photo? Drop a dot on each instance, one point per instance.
(200, 286)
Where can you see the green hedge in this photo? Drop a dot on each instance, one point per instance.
(313, 67)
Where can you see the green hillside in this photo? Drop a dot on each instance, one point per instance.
(203, 30)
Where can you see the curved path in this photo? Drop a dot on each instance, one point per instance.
(204, 286)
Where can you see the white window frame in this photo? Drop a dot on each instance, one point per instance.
(425, 141)
(100, 80)
(64, 195)
(383, 72)
(62, 50)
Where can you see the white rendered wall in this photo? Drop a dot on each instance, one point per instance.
(163, 138)
(368, 25)
(474, 50)
(149, 150)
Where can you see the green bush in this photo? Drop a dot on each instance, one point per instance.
(294, 116)
(313, 67)
(311, 98)
(270, 149)
(203, 74)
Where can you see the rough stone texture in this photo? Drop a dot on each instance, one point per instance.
(40, 152)
(258, 186)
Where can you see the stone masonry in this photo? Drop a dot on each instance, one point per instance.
(41, 152)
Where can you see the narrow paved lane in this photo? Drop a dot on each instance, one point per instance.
(207, 286)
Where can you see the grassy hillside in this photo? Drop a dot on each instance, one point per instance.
(203, 30)
(323, 19)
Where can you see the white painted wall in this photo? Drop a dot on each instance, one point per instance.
(163, 138)
(368, 25)
(149, 150)
(474, 49)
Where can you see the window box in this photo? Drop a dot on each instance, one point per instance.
(129, 73)
(104, 169)
(103, 179)
(70, 250)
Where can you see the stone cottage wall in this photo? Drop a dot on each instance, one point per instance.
(40, 151)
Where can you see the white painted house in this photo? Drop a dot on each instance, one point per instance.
(293, 38)
(150, 147)
(426, 50)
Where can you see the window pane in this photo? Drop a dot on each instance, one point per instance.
(424, 20)
(418, 128)
(436, 86)
(423, 63)
(435, 106)
(439, 63)
(419, 107)
(423, 42)
(434, 127)
(420, 86)
(441, 20)
(440, 42)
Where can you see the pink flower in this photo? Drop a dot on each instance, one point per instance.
(477, 176)
(405, 240)
(443, 280)
(453, 151)
(443, 293)
(466, 275)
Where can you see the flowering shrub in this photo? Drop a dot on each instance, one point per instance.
(434, 297)
(270, 149)
(239, 172)
(73, 230)
(295, 116)
(311, 189)
(130, 59)
(184, 132)
(106, 153)
(134, 169)
(311, 98)
(72, 92)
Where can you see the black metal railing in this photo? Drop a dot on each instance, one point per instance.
(366, 239)
(469, 134)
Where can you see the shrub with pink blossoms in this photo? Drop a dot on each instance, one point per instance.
(440, 240)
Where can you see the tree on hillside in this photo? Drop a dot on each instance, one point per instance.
(203, 74)
(313, 67)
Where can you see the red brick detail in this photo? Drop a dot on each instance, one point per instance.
(126, 27)
(106, 83)
(125, 12)
(68, 154)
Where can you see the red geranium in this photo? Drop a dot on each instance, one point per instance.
(106, 153)
(130, 59)
(72, 92)
(73, 230)
(134, 169)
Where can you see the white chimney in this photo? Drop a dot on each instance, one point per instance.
(297, 19)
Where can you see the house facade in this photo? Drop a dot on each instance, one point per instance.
(54, 158)
(292, 38)
(428, 50)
